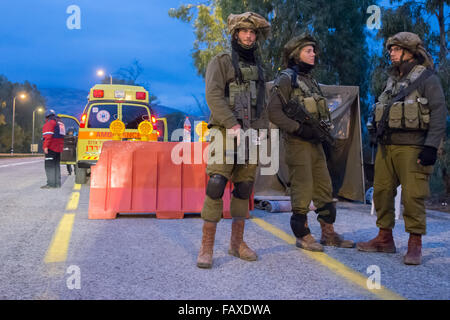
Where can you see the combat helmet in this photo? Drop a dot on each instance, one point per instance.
(293, 46)
(411, 42)
(249, 20)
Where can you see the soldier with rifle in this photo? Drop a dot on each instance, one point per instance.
(235, 93)
(298, 108)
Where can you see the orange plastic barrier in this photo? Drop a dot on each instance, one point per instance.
(140, 177)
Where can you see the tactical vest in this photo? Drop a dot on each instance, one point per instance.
(311, 98)
(249, 78)
(410, 114)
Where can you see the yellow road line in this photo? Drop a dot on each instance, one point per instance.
(73, 201)
(57, 251)
(332, 264)
(77, 186)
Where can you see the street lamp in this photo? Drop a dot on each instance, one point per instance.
(21, 96)
(101, 73)
(39, 110)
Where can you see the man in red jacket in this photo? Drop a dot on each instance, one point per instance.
(53, 135)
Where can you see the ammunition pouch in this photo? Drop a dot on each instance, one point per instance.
(409, 110)
(411, 114)
(244, 95)
(314, 103)
(378, 112)
(248, 84)
(311, 106)
(238, 89)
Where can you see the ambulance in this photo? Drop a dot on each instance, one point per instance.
(107, 103)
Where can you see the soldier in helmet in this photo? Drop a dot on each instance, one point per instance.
(305, 157)
(235, 93)
(410, 122)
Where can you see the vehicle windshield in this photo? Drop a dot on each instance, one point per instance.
(101, 115)
(71, 126)
(133, 115)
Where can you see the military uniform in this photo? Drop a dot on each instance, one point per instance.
(235, 93)
(414, 129)
(220, 79)
(304, 156)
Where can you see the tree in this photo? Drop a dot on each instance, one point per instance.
(210, 31)
(202, 106)
(23, 114)
(435, 8)
(338, 25)
(20, 139)
(129, 75)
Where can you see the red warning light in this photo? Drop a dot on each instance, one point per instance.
(98, 93)
(83, 120)
(140, 95)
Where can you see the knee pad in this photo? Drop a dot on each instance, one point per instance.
(243, 190)
(216, 186)
(327, 213)
(299, 225)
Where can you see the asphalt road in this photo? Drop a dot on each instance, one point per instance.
(51, 251)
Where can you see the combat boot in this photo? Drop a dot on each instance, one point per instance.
(205, 255)
(304, 239)
(331, 238)
(383, 242)
(308, 243)
(414, 254)
(238, 247)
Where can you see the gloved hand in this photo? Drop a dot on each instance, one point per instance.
(305, 131)
(428, 156)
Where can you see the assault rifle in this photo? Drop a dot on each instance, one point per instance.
(321, 129)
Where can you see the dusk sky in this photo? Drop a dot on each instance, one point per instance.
(37, 46)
